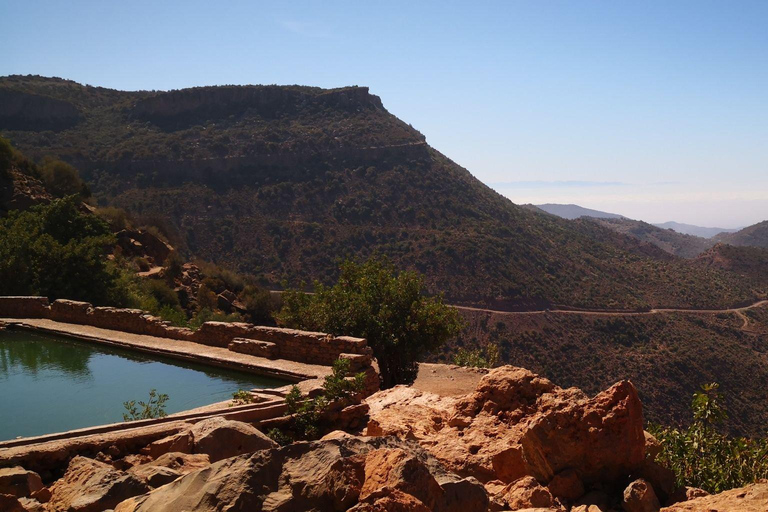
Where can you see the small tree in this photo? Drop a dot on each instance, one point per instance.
(700, 456)
(375, 301)
(152, 408)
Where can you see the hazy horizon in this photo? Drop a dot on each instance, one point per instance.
(656, 110)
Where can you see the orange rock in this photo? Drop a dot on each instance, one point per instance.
(752, 498)
(517, 423)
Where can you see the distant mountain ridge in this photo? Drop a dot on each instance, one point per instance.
(690, 229)
(753, 236)
(574, 211)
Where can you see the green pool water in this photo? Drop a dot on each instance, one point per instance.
(51, 383)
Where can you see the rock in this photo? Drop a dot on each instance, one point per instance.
(90, 486)
(31, 505)
(10, 503)
(360, 474)
(220, 438)
(639, 497)
(594, 499)
(43, 495)
(168, 467)
(182, 462)
(179, 442)
(662, 479)
(217, 437)
(517, 424)
(155, 476)
(19, 482)
(566, 485)
(685, 494)
(528, 493)
(752, 498)
(652, 446)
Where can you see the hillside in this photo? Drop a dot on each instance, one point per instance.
(753, 236)
(666, 355)
(282, 181)
(673, 242)
(574, 211)
(690, 229)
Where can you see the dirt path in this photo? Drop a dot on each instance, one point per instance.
(602, 312)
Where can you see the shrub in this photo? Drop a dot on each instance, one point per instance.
(389, 308)
(152, 408)
(242, 397)
(117, 218)
(486, 357)
(61, 179)
(306, 413)
(258, 303)
(57, 251)
(702, 457)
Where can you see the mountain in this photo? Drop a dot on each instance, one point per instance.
(673, 242)
(574, 211)
(690, 229)
(283, 181)
(754, 236)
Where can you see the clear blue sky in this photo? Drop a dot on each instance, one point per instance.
(544, 100)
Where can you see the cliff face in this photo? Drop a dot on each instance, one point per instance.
(22, 111)
(182, 108)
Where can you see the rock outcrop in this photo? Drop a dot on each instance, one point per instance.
(752, 498)
(346, 473)
(218, 438)
(517, 424)
(93, 486)
(19, 482)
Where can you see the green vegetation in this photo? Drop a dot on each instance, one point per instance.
(154, 407)
(57, 251)
(388, 308)
(486, 357)
(702, 457)
(61, 179)
(307, 413)
(241, 397)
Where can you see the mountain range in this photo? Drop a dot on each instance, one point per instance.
(283, 181)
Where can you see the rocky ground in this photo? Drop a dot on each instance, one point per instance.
(515, 441)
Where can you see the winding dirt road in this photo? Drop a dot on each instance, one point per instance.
(597, 312)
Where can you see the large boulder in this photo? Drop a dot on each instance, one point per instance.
(19, 482)
(216, 437)
(168, 467)
(752, 498)
(640, 497)
(519, 424)
(92, 486)
(349, 473)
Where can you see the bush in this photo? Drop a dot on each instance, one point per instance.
(306, 413)
(55, 250)
(702, 457)
(61, 179)
(152, 408)
(486, 357)
(259, 305)
(6, 157)
(374, 301)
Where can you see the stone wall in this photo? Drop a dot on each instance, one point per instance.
(275, 342)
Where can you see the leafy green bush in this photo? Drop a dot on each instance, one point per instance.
(242, 397)
(207, 315)
(57, 251)
(154, 407)
(389, 308)
(61, 179)
(306, 413)
(702, 457)
(486, 357)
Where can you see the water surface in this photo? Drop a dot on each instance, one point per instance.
(52, 383)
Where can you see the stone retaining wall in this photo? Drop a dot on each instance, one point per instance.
(291, 344)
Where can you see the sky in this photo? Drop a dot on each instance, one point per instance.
(656, 110)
